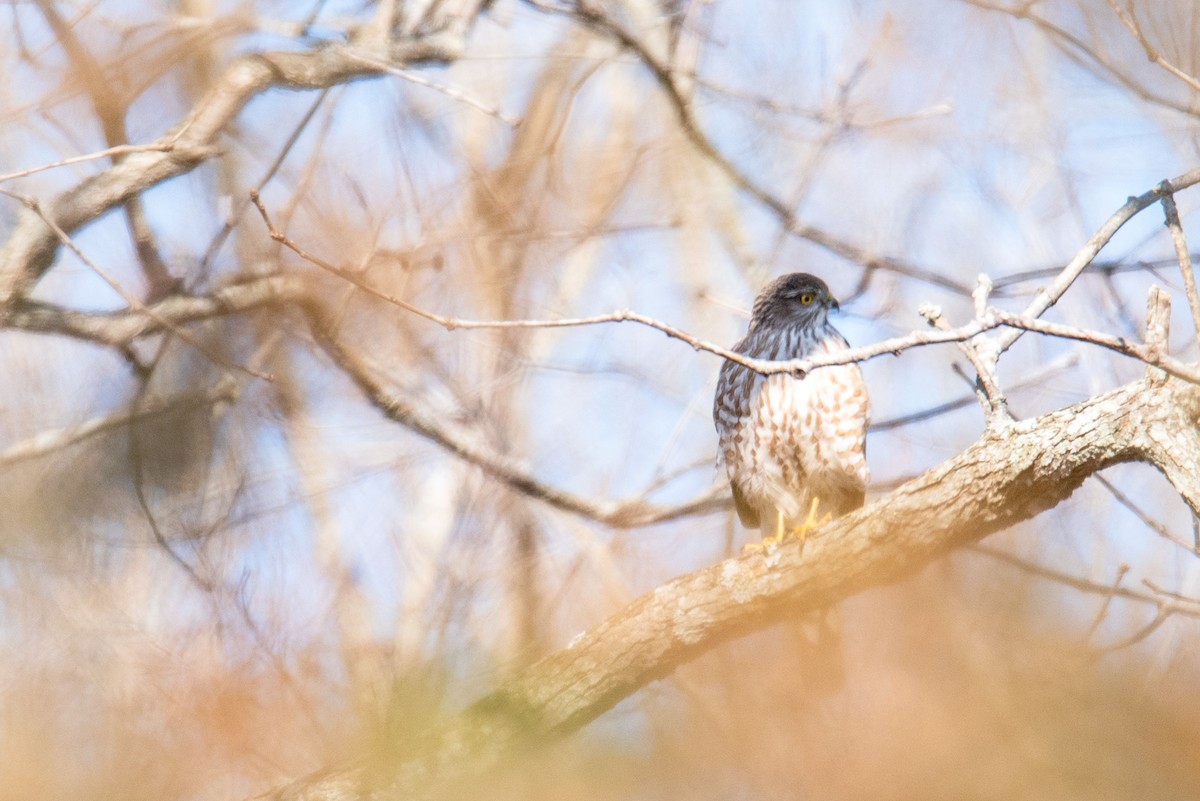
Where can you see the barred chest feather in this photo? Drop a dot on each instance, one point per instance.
(783, 439)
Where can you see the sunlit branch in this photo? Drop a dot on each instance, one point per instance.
(1005, 477)
(1048, 296)
(992, 319)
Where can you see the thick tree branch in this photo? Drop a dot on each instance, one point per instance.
(1006, 477)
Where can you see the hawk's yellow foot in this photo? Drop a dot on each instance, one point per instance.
(771, 541)
(811, 522)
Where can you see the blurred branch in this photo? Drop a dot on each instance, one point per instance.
(592, 17)
(47, 442)
(110, 106)
(119, 329)
(449, 91)
(1005, 477)
(1104, 268)
(1034, 378)
(1113, 590)
(134, 303)
(33, 243)
(472, 448)
(1082, 53)
(1141, 514)
(1129, 20)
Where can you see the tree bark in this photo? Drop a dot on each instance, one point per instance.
(1012, 473)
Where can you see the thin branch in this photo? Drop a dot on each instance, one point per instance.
(448, 91)
(119, 150)
(1066, 579)
(218, 240)
(1105, 268)
(1175, 596)
(1164, 612)
(1185, 259)
(993, 318)
(1048, 296)
(1036, 377)
(1120, 345)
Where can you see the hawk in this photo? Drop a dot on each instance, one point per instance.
(792, 444)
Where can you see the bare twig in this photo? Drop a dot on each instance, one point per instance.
(1105, 268)
(218, 240)
(119, 150)
(1175, 596)
(1185, 259)
(1036, 377)
(1164, 612)
(1074, 582)
(994, 318)
(1048, 296)
(449, 91)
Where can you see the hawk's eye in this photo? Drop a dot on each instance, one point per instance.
(807, 298)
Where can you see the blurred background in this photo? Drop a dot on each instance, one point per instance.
(211, 582)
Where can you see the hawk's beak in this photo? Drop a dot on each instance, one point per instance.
(833, 303)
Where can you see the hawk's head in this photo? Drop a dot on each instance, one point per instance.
(796, 299)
